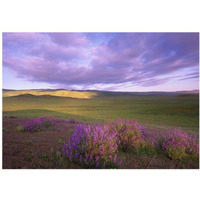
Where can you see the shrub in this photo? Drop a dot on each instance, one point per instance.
(5, 131)
(130, 134)
(20, 128)
(47, 121)
(178, 145)
(148, 146)
(39, 124)
(93, 147)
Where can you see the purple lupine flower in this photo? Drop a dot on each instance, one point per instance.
(86, 162)
(178, 140)
(37, 124)
(115, 158)
(76, 155)
(100, 140)
(97, 158)
(83, 148)
(86, 156)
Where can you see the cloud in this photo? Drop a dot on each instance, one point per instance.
(54, 52)
(69, 39)
(21, 40)
(84, 59)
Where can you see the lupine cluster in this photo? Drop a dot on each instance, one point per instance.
(93, 147)
(39, 124)
(130, 134)
(98, 146)
(179, 145)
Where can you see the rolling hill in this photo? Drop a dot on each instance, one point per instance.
(88, 94)
(58, 93)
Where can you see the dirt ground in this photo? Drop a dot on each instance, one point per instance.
(34, 150)
(43, 150)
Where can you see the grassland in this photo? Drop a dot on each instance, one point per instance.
(150, 110)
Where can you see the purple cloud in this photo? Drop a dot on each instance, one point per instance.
(69, 39)
(83, 59)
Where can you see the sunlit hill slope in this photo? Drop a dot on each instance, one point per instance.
(58, 93)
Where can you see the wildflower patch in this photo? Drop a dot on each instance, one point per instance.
(39, 124)
(93, 147)
(179, 145)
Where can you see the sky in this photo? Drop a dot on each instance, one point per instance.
(101, 61)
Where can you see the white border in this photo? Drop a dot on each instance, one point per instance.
(99, 16)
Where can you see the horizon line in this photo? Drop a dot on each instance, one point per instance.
(101, 90)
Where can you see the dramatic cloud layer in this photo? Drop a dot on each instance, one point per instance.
(91, 59)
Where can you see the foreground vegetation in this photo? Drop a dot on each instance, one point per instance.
(51, 143)
(98, 146)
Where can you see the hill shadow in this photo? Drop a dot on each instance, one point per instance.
(35, 113)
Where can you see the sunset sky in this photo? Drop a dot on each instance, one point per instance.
(101, 61)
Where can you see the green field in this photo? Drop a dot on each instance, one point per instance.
(150, 110)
